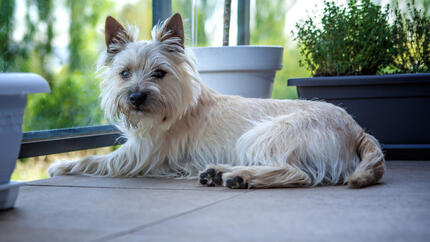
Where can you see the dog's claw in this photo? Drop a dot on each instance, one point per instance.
(210, 172)
(203, 175)
(218, 178)
(237, 182)
(203, 181)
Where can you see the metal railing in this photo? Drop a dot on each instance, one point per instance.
(47, 142)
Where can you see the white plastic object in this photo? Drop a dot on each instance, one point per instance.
(14, 88)
(247, 71)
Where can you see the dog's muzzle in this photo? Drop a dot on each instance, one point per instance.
(137, 99)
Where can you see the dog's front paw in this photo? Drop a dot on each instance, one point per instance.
(236, 182)
(58, 168)
(211, 177)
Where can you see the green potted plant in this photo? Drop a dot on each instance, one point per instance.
(367, 65)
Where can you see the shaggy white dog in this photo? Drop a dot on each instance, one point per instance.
(176, 126)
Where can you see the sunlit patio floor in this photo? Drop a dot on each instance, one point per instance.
(74, 208)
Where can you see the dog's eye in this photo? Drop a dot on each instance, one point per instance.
(125, 74)
(158, 74)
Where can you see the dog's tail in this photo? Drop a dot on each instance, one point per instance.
(372, 165)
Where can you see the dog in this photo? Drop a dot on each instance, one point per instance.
(177, 127)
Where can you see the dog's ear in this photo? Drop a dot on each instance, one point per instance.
(115, 35)
(173, 28)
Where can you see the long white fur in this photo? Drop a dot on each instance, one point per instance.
(189, 127)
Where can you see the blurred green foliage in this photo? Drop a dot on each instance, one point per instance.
(411, 37)
(267, 28)
(7, 50)
(204, 10)
(73, 100)
(360, 40)
(138, 14)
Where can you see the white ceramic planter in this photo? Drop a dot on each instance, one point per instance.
(245, 70)
(14, 88)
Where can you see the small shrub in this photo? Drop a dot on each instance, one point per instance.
(352, 40)
(411, 36)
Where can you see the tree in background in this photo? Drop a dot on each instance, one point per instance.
(420, 4)
(205, 10)
(30, 54)
(73, 100)
(140, 15)
(267, 28)
(7, 48)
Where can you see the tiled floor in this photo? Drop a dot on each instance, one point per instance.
(73, 208)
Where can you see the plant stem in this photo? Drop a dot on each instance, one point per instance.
(227, 10)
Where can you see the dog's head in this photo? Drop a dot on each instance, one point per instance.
(147, 83)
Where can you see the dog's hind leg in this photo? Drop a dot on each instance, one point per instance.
(256, 176)
(266, 176)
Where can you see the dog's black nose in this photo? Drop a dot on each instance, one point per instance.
(137, 98)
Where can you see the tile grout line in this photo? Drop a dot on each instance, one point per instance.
(125, 188)
(142, 227)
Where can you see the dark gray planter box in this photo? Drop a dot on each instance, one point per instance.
(393, 108)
